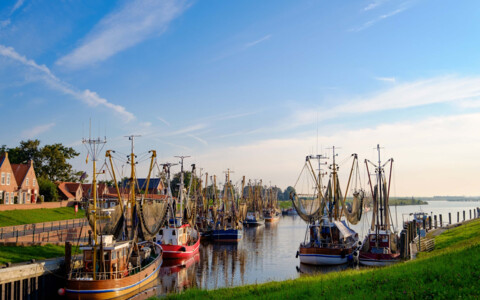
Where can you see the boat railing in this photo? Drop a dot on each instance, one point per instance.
(79, 274)
(330, 245)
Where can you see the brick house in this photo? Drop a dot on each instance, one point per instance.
(71, 191)
(155, 185)
(8, 183)
(26, 179)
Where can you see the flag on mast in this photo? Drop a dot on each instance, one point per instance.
(86, 160)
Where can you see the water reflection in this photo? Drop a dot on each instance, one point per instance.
(267, 253)
(178, 274)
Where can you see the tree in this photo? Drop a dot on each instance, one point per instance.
(175, 182)
(50, 161)
(289, 190)
(48, 189)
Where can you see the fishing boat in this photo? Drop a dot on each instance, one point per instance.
(228, 224)
(271, 213)
(179, 239)
(329, 239)
(254, 215)
(120, 259)
(380, 245)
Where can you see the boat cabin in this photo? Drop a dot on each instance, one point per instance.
(383, 246)
(175, 235)
(112, 265)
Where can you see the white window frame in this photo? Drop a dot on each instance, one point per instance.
(7, 198)
(8, 178)
(26, 181)
(24, 200)
(3, 178)
(12, 198)
(1, 194)
(34, 182)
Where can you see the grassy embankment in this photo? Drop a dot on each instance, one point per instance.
(406, 201)
(15, 254)
(29, 216)
(285, 204)
(452, 270)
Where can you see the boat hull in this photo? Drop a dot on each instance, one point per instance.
(272, 219)
(228, 235)
(179, 251)
(375, 259)
(114, 288)
(253, 223)
(324, 256)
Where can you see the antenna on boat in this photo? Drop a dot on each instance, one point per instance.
(181, 181)
(94, 147)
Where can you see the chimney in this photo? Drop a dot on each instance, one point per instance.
(31, 162)
(6, 154)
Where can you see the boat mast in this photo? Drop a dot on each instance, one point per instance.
(94, 147)
(380, 189)
(132, 180)
(181, 196)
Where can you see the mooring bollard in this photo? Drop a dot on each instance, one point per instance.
(441, 222)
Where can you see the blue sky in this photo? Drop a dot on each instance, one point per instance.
(253, 86)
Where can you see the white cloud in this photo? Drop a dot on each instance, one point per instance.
(5, 23)
(435, 156)
(89, 97)
(374, 4)
(198, 139)
(377, 19)
(188, 129)
(163, 121)
(17, 5)
(133, 23)
(386, 79)
(400, 96)
(248, 45)
(37, 130)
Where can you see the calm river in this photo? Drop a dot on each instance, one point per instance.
(267, 253)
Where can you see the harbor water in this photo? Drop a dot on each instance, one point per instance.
(267, 253)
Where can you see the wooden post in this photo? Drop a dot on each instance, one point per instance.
(43, 227)
(33, 235)
(464, 215)
(424, 224)
(435, 219)
(450, 218)
(430, 222)
(458, 217)
(470, 213)
(20, 289)
(17, 237)
(441, 221)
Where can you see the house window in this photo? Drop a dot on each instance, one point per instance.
(24, 198)
(34, 182)
(26, 182)
(7, 198)
(3, 178)
(8, 178)
(1, 194)
(12, 198)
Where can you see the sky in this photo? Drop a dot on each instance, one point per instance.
(252, 86)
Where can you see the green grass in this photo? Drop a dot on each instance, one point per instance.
(15, 254)
(451, 271)
(285, 204)
(28, 216)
